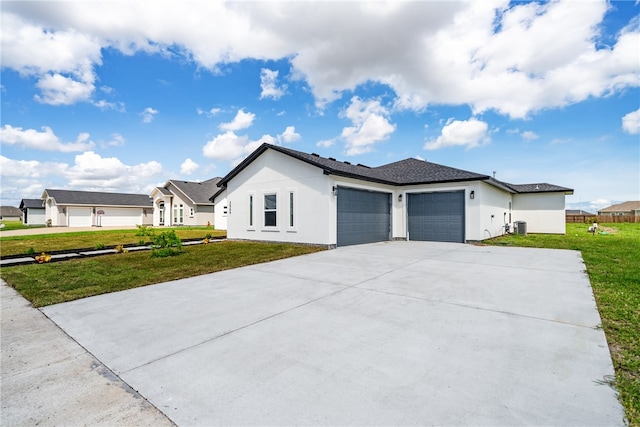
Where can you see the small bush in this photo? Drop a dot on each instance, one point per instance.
(144, 230)
(141, 242)
(100, 246)
(166, 244)
(30, 251)
(43, 257)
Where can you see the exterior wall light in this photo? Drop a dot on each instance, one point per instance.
(399, 197)
(334, 190)
(472, 195)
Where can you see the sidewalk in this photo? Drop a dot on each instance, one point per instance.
(47, 378)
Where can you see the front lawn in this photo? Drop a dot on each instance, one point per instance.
(613, 265)
(20, 245)
(45, 284)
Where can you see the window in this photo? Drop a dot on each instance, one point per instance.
(291, 209)
(270, 210)
(178, 214)
(161, 213)
(191, 212)
(251, 210)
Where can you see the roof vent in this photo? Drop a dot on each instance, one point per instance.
(331, 158)
(315, 154)
(537, 187)
(348, 163)
(364, 166)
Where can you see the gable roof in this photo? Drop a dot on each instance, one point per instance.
(198, 192)
(577, 212)
(403, 172)
(10, 211)
(621, 207)
(31, 204)
(94, 198)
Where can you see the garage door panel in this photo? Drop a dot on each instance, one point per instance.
(79, 217)
(437, 217)
(363, 216)
(115, 217)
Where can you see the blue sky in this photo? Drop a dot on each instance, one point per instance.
(122, 96)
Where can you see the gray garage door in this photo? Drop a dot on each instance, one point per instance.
(436, 217)
(363, 216)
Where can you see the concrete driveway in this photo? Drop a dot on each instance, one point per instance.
(394, 333)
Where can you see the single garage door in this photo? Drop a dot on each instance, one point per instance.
(436, 217)
(79, 217)
(115, 217)
(363, 216)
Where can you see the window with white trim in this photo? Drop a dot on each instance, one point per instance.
(270, 210)
(291, 210)
(250, 210)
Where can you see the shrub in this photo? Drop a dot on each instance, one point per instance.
(141, 242)
(42, 258)
(30, 251)
(144, 230)
(100, 246)
(166, 244)
(120, 249)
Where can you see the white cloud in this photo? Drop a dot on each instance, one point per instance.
(232, 147)
(289, 135)
(326, 143)
(242, 120)
(45, 140)
(515, 58)
(148, 114)
(212, 112)
(370, 125)
(269, 84)
(631, 122)
(528, 135)
(90, 172)
(188, 167)
(466, 133)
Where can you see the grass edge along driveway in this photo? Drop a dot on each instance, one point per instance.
(52, 283)
(614, 272)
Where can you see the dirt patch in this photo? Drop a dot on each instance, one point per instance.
(607, 229)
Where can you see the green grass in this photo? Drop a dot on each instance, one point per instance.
(16, 225)
(19, 245)
(613, 265)
(45, 284)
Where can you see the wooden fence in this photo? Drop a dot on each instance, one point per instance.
(588, 219)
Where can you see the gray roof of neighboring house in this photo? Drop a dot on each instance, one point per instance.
(577, 212)
(32, 204)
(404, 172)
(198, 192)
(10, 211)
(94, 198)
(621, 207)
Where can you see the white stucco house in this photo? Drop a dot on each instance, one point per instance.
(279, 194)
(180, 202)
(33, 212)
(67, 208)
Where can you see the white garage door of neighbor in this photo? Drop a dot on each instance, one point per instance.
(114, 217)
(79, 217)
(36, 217)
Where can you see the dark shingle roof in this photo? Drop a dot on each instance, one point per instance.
(10, 211)
(404, 172)
(94, 198)
(164, 191)
(198, 192)
(31, 203)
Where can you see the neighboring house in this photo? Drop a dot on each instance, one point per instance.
(279, 194)
(631, 208)
(181, 202)
(10, 213)
(68, 208)
(578, 212)
(33, 212)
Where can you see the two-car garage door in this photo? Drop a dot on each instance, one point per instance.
(365, 216)
(105, 217)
